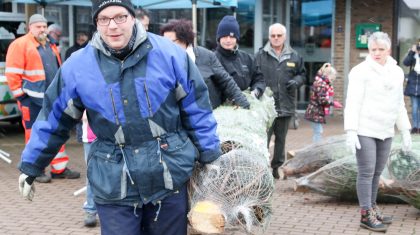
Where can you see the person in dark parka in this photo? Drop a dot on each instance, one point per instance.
(82, 40)
(219, 82)
(413, 85)
(239, 64)
(284, 73)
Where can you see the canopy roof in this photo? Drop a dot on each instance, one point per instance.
(148, 4)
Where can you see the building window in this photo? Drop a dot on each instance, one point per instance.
(6, 7)
(310, 35)
(408, 29)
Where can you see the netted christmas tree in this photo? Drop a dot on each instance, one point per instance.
(232, 193)
(404, 172)
(235, 191)
(400, 179)
(247, 129)
(315, 156)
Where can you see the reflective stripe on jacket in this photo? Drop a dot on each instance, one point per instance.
(24, 69)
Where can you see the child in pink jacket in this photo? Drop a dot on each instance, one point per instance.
(321, 100)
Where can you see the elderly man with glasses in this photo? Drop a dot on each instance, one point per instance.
(284, 73)
(54, 33)
(149, 108)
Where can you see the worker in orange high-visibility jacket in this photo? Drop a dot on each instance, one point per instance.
(31, 64)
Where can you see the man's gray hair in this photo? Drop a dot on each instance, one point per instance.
(283, 28)
(381, 38)
(55, 28)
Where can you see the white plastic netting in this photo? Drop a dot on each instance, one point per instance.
(315, 156)
(400, 179)
(235, 191)
(241, 186)
(244, 128)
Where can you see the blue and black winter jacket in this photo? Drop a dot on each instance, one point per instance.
(151, 114)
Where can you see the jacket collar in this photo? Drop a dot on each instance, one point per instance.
(140, 38)
(287, 50)
(227, 53)
(191, 52)
(378, 67)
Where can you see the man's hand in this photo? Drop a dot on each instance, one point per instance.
(26, 186)
(352, 141)
(255, 93)
(291, 84)
(406, 141)
(242, 103)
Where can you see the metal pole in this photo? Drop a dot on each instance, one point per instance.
(203, 28)
(5, 156)
(194, 19)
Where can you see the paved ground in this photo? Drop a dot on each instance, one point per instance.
(56, 211)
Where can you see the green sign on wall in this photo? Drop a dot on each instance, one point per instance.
(363, 31)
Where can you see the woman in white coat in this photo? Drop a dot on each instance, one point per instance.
(374, 105)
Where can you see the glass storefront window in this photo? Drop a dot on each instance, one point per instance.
(6, 7)
(83, 21)
(246, 18)
(310, 35)
(408, 29)
(58, 14)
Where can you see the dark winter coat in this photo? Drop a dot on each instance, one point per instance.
(413, 84)
(277, 72)
(319, 100)
(74, 48)
(219, 82)
(241, 66)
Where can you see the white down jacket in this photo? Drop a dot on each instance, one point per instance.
(375, 99)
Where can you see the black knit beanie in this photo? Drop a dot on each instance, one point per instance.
(99, 5)
(228, 26)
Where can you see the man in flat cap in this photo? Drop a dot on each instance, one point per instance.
(31, 64)
(148, 106)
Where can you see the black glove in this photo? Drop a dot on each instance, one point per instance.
(242, 102)
(291, 84)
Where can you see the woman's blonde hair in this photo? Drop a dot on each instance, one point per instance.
(327, 70)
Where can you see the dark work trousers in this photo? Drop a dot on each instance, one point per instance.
(30, 111)
(167, 218)
(279, 128)
(371, 160)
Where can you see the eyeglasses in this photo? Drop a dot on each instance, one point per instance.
(276, 35)
(119, 19)
(57, 34)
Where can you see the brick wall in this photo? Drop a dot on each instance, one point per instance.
(338, 59)
(362, 11)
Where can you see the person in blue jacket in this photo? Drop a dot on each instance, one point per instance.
(148, 106)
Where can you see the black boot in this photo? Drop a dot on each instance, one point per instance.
(369, 221)
(384, 219)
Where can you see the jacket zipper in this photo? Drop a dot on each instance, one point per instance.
(149, 105)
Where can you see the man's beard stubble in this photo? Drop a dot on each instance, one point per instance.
(42, 38)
